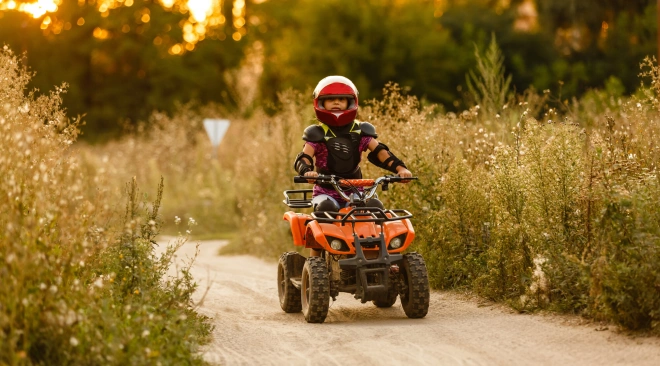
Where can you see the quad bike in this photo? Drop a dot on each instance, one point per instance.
(361, 252)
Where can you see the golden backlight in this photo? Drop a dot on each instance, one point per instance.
(205, 19)
(200, 9)
(37, 9)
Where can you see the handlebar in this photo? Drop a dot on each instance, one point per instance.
(333, 178)
(337, 182)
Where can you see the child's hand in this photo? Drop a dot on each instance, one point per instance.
(311, 173)
(404, 173)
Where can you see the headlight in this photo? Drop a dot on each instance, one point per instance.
(336, 244)
(396, 243)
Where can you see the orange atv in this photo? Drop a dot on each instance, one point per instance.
(361, 253)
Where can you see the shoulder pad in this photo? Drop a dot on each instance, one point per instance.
(314, 133)
(368, 129)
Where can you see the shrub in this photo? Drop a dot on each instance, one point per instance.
(517, 209)
(81, 284)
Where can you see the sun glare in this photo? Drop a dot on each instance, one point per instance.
(36, 9)
(205, 18)
(200, 9)
(167, 3)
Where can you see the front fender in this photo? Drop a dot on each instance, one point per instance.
(314, 228)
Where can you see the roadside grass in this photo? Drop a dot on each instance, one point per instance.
(535, 206)
(539, 207)
(81, 281)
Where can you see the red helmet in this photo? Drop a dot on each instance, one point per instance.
(336, 86)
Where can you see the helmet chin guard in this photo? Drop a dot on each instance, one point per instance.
(336, 86)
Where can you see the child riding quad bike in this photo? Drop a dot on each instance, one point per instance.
(361, 252)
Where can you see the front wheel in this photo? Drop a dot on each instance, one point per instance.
(415, 294)
(315, 290)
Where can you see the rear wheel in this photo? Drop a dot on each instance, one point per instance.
(288, 293)
(390, 298)
(315, 290)
(415, 295)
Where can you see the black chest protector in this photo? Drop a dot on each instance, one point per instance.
(343, 154)
(343, 146)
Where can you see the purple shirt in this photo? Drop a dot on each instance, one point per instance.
(321, 155)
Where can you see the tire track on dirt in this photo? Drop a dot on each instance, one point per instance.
(251, 328)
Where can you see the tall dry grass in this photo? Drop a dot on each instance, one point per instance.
(536, 206)
(81, 280)
(177, 149)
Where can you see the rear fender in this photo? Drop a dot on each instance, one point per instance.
(297, 223)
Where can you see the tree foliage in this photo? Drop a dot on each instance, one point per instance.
(126, 73)
(569, 48)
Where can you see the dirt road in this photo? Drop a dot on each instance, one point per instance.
(251, 329)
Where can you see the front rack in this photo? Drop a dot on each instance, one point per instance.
(361, 214)
(303, 202)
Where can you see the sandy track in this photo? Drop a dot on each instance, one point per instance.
(251, 328)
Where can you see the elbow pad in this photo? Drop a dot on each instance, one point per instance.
(396, 162)
(301, 166)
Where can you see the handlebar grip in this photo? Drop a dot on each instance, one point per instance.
(300, 179)
(395, 178)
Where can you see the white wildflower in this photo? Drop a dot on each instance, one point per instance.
(74, 342)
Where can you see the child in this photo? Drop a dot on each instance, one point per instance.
(338, 142)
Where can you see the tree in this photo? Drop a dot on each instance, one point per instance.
(370, 42)
(119, 64)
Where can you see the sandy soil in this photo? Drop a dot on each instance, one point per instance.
(251, 328)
